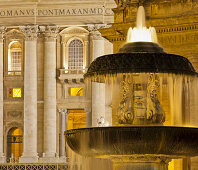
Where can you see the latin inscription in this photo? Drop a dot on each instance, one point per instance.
(179, 39)
(54, 12)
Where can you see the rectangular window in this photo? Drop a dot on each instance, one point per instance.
(76, 91)
(15, 92)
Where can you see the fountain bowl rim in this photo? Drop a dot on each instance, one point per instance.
(128, 127)
(140, 62)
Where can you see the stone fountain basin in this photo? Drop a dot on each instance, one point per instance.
(134, 140)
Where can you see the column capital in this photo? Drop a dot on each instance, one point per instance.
(93, 29)
(50, 32)
(30, 32)
(63, 110)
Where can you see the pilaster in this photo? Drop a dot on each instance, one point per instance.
(2, 32)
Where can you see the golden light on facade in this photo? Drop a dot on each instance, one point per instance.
(76, 91)
(15, 92)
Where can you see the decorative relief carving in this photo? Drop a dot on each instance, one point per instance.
(155, 112)
(30, 32)
(125, 112)
(50, 32)
(15, 124)
(14, 35)
(14, 114)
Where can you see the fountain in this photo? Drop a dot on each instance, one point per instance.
(151, 96)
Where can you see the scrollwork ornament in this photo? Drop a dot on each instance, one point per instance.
(125, 114)
(155, 112)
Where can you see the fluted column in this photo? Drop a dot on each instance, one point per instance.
(2, 31)
(30, 96)
(50, 92)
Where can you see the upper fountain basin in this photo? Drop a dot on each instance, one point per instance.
(113, 141)
(140, 62)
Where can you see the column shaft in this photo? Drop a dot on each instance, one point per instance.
(98, 89)
(30, 96)
(62, 139)
(50, 92)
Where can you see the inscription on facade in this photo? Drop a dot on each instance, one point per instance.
(54, 12)
(179, 39)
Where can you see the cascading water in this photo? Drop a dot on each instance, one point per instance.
(152, 99)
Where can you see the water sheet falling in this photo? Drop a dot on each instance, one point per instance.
(151, 98)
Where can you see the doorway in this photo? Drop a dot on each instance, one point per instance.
(14, 144)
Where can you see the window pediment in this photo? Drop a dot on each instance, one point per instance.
(14, 34)
(74, 30)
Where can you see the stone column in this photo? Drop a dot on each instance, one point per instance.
(88, 117)
(50, 94)
(2, 31)
(63, 116)
(98, 89)
(108, 105)
(30, 96)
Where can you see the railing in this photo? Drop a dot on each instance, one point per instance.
(67, 71)
(34, 166)
(14, 73)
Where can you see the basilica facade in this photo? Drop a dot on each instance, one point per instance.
(45, 48)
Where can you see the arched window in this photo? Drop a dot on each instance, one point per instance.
(75, 59)
(14, 58)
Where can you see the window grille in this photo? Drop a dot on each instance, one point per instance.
(75, 59)
(14, 58)
(16, 61)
